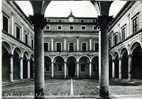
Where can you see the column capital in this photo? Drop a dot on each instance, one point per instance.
(38, 20)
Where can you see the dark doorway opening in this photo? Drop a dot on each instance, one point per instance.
(136, 70)
(71, 63)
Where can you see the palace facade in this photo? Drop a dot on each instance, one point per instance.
(17, 43)
(71, 47)
(125, 42)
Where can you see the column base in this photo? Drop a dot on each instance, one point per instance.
(104, 93)
(39, 93)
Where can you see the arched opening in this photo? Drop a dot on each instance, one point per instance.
(95, 67)
(32, 67)
(110, 66)
(71, 64)
(124, 67)
(16, 66)
(5, 63)
(25, 66)
(59, 67)
(136, 70)
(84, 67)
(116, 65)
(47, 65)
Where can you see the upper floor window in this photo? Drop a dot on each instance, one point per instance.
(83, 27)
(94, 27)
(47, 27)
(59, 27)
(84, 46)
(115, 39)
(96, 46)
(109, 42)
(135, 24)
(71, 27)
(46, 47)
(71, 47)
(123, 31)
(58, 47)
(26, 38)
(5, 24)
(82, 21)
(32, 41)
(18, 30)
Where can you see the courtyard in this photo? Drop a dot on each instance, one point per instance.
(73, 88)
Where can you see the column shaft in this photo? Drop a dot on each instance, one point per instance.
(21, 68)
(11, 68)
(77, 68)
(113, 69)
(90, 69)
(120, 65)
(52, 69)
(29, 69)
(65, 69)
(129, 66)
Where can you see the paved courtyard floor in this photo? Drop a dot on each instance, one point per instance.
(74, 89)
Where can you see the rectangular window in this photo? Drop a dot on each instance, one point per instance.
(96, 47)
(46, 46)
(32, 43)
(59, 27)
(83, 46)
(71, 27)
(26, 38)
(115, 39)
(135, 24)
(123, 31)
(83, 27)
(71, 47)
(82, 67)
(60, 67)
(5, 24)
(18, 32)
(58, 47)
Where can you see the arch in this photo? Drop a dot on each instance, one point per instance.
(25, 65)
(6, 46)
(16, 62)
(95, 67)
(84, 67)
(59, 67)
(17, 50)
(5, 63)
(124, 67)
(136, 61)
(116, 62)
(85, 56)
(134, 46)
(71, 65)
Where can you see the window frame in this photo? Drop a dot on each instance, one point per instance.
(20, 29)
(56, 46)
(82, 46)
(6, 16)
(47, 48)
(69, 46)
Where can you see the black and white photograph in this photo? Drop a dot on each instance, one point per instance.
(71, 49)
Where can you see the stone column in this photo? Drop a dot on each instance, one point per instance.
(104, 70)
(52, 69)
(11, 68)
(129, 66)
(113, 68)
(77, 69)
(65, 45)
(21, 67)
(90, 69)
(65, 69)
(90, 41)
(29, 68)
(52, 44)
(120, 65)
(77, 42)
(39, 22)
